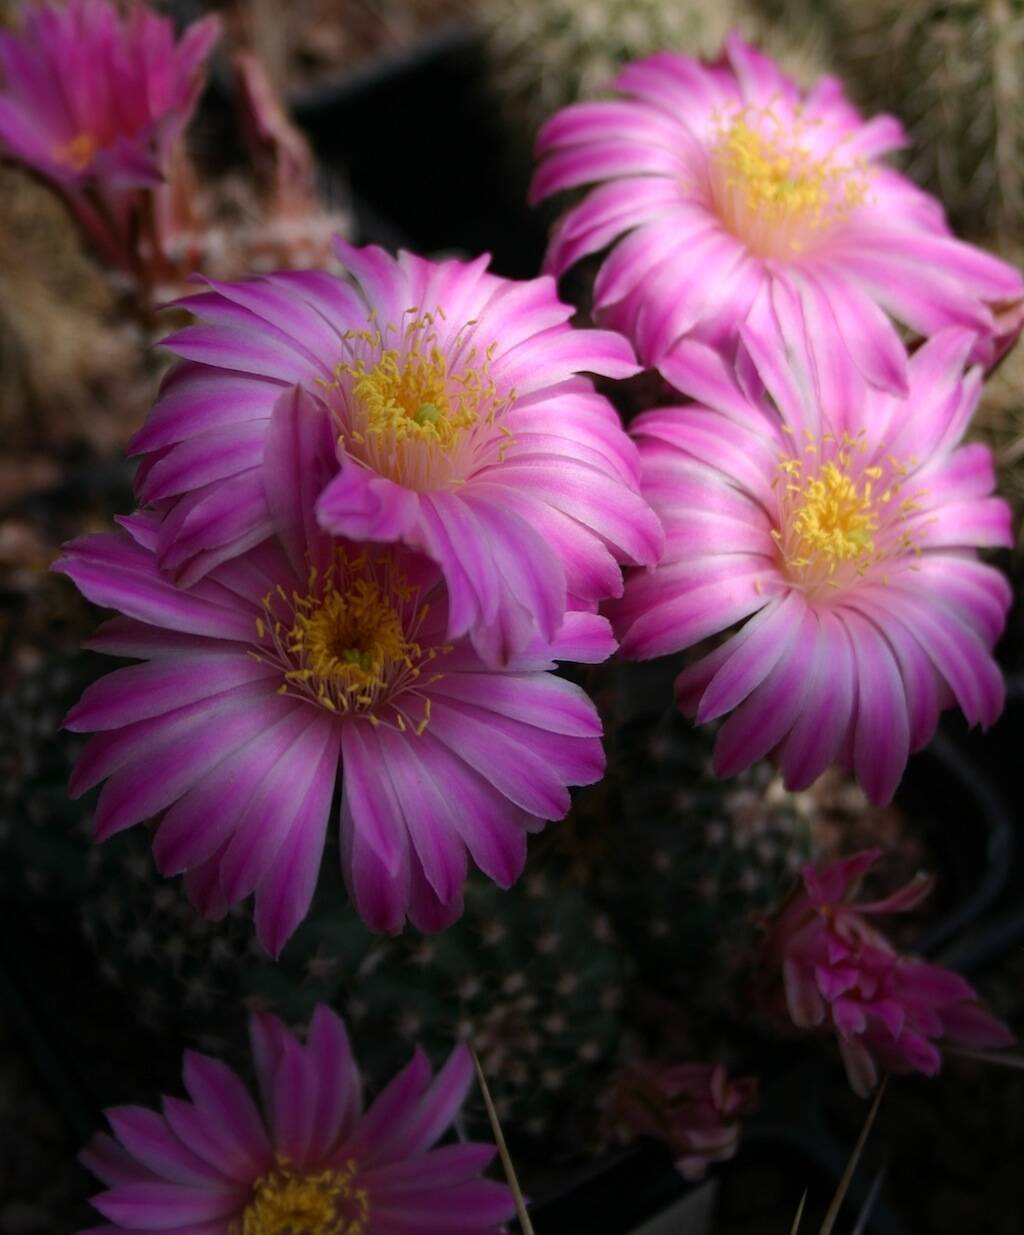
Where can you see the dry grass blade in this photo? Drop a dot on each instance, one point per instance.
(794, 1229)
(869, 1203)
(851, 1166)
(499, 1139)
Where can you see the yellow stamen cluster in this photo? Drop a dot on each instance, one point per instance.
(838, 518)
(78, 152)
(348, 637)
(405, 397)
(286, 1202)
(771, 190)
(420, 415)
(349, 643)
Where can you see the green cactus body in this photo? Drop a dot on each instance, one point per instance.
(952, 71)
(547, 53)
(531, 976)
(683, 863)
(176, 970)
(44, 836)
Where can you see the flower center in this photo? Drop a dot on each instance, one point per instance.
(286, 1202)
(77, 153)
(424, 416)
(772, 191)
(839, 516)
(349, 644)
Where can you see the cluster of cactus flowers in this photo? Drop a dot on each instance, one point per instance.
(379, 507)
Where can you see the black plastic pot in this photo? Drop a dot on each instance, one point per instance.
(775, 1170)
(969, 829)
(990, 763)
(418, 141)
(786, 1143)
(609, 1197)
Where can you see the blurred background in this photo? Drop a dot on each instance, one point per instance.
(414, 120)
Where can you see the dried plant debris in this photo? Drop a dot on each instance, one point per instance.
(307, 42)
(71, 370)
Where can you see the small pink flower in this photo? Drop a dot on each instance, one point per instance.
(97, 103)
(90, 96)
(694, 1108)
(723, 187)
(463, 430)
(842, 535)
(305, 658)
(313, 1161)
(838, 973)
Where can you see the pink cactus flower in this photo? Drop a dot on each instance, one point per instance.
(825, 966)
(89, 95)
(96, 103)
(304, 657)
(312, 1162)
(730, 196)
(693, 1108)
(843, 536)
(463, 432)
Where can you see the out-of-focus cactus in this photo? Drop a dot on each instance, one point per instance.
(178, 971)
(952, 71)
(54, 485)
(684, 863)
(547, 53)
(532, 976)
(551, 52)
(43, 835)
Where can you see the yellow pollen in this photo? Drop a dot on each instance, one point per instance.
(837, 520)
(423, 416)
(771, 190)
(406, 397)
(348, 638)
(286, 1202)
(78, 152)
(349, 644)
